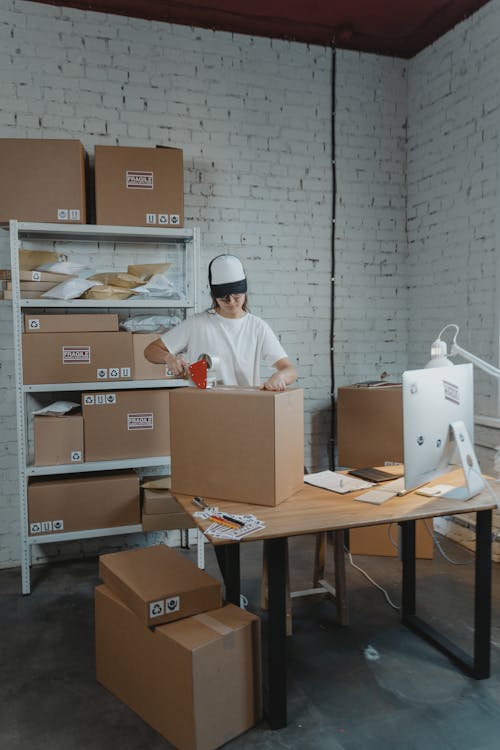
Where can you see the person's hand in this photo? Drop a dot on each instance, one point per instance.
(176, 365)
(276, 382)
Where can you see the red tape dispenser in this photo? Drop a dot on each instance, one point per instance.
(198, 373)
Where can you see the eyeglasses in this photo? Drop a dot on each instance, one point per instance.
(228, 297)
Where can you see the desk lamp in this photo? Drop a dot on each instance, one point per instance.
(439, 353)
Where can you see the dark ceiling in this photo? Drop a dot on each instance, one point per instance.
(399, 28)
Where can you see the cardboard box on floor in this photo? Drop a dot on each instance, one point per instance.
(126, 424)
(137, 186)
(58, 440)
(195, 681)
(71, 323)
(369, 433)
(162, 512)
(240, 444)
(81, 502)
(159, 584)
(42, 180)
(77, 357)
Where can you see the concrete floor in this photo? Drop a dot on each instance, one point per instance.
(370, 685)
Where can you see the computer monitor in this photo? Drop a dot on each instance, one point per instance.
(438, 427)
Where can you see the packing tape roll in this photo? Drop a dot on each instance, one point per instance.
(213, 363)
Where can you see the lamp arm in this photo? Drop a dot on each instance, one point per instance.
(456, 349)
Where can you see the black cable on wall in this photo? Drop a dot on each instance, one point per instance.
(333, 420)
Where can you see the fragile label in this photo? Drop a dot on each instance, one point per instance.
(137, 180)
(76, 355)
(140, 421)
(173, 604)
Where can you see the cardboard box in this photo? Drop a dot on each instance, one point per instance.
(126, 424)
(139, 186)
(375, 540)
(143, 368)
(159, 584)
(369, 425)
(160, 501)
(370, 432)
(71, 323)
(195, 681)
(42, 180)
(33, 286)
(240, 444)
(77, 357)
(162, 512)
(80, 502)
(58, 440)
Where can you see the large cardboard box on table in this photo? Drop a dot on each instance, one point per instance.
(81, 502)
(137, 186)
(159, 584)
(58, 439)
(369, 433)
(240, 444)
(71, 323)
(42, 180)
(195, 681)
(77, 357)
(126, 424)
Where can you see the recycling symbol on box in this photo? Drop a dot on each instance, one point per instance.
(76, 455)
(88, 399)
(156, 608)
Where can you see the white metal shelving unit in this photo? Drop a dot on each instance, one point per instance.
(136, 240)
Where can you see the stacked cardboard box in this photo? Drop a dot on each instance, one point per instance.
(195, 677)
(81, 502)
(42, 180)
(58, 439)
(160, 509)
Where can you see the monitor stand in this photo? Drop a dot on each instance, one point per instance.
(474, 482)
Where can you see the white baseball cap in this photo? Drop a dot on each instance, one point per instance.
(226, 275)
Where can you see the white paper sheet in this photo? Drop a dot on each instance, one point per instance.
(336, 482)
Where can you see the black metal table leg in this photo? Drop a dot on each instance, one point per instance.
(477, 666)
(276, 645)
(228, 557)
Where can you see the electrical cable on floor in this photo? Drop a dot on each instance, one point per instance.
(368, 578)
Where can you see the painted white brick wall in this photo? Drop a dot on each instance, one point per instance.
(370, 289)
(253, 117)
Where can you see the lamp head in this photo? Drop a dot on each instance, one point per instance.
(439, 352)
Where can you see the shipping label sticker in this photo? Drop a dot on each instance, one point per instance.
(150, 218)
(62, 214)
(35, 528)
(36, 276)
(102, 373)
(111, 398)
(58, 525)
(76, 355)
(100, 398)
(125, 372)
(173, 604)
(175, 219)
(34, 324)
(74, 214)
(76, 456)
(140, 421)
(451, 392)
(89, 399)
(163, 219)
(139, 180)
(157, 608)
(114, 372)
(46, 526)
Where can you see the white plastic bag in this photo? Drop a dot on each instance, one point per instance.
(58, 408)
(150, 323)
(70, 289)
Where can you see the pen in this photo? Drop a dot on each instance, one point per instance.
(229, 523)
(231, 519)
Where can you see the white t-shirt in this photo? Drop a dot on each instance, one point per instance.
(241, 344)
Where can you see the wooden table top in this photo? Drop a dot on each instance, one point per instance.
(313, 509)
